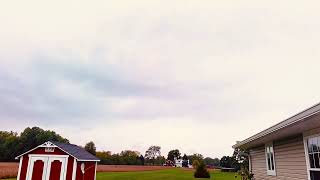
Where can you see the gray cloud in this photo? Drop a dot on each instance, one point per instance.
(154, 67)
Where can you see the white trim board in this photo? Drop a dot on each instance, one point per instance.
(19, 170)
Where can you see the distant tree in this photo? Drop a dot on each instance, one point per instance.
(242, 159)
(141, 160)
(174, 154)
(90, 147)
(201, 171)
(216, 162)
(193, 157)
(229, 162)
(9, 142)
(195, 164)
(129, 157)
(12, 145)
(152, 153)
(32, 137)
(160, 160)
(212, 162)
(185, 161)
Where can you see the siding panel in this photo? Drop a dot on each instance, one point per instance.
(289, 159)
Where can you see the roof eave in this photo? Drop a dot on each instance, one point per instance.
(287, 122)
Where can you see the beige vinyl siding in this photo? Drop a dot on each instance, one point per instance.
(289, 159)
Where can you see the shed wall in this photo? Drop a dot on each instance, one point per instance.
(89, 171)
(41, 150)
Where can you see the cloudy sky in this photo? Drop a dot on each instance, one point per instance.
(192, 75)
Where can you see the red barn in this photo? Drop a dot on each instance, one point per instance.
(57, 161)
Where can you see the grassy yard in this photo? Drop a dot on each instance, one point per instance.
(168, 174)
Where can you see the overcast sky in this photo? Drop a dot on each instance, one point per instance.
(192, 75)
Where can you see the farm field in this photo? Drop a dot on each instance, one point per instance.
(8, 169)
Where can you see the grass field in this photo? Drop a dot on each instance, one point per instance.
(133, 173)
(168, 174)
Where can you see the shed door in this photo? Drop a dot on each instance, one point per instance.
(47, 168)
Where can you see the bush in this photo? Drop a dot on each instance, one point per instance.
(201, 171)
(195, 164)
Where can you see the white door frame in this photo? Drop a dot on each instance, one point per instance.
(47, 159)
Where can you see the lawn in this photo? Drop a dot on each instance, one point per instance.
(168, 174)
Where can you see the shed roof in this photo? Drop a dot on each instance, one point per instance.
(77, 152)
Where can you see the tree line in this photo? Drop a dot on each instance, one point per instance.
(12, 144)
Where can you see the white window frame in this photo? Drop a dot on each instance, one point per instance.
(306, 151)
(270, 172)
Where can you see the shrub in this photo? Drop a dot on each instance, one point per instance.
(201, 171)
(195, 164)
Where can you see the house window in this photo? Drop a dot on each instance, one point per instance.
(313, 155)
(271, 167)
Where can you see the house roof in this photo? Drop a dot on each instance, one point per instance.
(75, 151)
(290, 126)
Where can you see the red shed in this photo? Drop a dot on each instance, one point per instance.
(57, 161)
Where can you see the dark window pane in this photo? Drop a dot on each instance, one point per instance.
(316, 160)
(269, 163)
(314, 175)
(272, 161)
(311, 159)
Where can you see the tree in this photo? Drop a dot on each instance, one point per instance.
(242, 158)
(242, 162)
(201, 171)
(185, 162)
(90, 147)
(229, 162)
(193, 157)
(141, 160)
(195, 164)
(174, 154)
(32, 137)
(212, 162)
(11, 144)
(129, 157)
(152, 153)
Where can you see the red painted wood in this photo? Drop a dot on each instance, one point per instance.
(70, 168)
(55, 170)
(24, 167)
(37, 170)
(41, 150)
(89, 171)
(89, 174)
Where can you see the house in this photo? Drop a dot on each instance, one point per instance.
(57, 161)
(178, 162)
(287, 150)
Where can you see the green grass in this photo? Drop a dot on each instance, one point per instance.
(168, 174)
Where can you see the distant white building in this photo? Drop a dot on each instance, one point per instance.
(178, 163)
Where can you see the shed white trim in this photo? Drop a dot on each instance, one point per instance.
(74, 169)
(20, 165)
